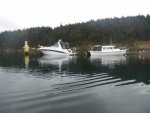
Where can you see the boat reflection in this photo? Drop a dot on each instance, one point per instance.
(46, 60)
(109, 61)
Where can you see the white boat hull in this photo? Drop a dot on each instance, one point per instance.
(53, 52)
(122, 52)
(49, 51)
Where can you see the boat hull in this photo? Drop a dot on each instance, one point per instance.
(47, 51)
(122, 52)
(52, 52)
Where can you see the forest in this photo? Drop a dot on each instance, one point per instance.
(124, 29)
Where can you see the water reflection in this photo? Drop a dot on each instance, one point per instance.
(71, 84)
(109, 61)
(56, 64)
(26, 61)
(129, 69)
(59, 61)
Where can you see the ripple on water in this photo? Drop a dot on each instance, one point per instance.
(28, 92)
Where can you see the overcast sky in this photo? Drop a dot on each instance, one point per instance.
(20, 14)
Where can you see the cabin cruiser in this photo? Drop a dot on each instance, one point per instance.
(59, 48)
(106, 50)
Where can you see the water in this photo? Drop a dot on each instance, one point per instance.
(44, 84)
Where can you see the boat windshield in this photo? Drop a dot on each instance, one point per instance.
(64, 45)
(55, 45)
(109, 48)
(67, 45)
(97, 48)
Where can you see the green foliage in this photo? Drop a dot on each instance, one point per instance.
(81, 34)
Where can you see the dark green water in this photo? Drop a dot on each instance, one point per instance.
(44, 84)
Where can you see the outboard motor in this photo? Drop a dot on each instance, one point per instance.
(88, 53)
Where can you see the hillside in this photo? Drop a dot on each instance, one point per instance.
(127, 31)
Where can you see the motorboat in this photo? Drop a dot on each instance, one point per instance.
(59, 48)
(106, 50)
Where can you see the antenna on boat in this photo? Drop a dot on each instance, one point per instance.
(111, 40)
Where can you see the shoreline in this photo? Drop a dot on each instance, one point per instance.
(135, 46)
(80, 50)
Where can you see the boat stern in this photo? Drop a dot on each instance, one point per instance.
(72, 51)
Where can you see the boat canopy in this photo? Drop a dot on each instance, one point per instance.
(64, 45)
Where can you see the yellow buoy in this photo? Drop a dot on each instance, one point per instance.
(26, 48)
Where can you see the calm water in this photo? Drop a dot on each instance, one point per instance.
(44, 84)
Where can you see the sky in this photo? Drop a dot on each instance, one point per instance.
(22, 14)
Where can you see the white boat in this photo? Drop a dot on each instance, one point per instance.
(59, 48)
(106, 50)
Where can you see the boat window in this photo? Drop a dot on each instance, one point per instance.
(63, 45)
(109, 48)
(104, 48)
(96, 48)
(67, 45)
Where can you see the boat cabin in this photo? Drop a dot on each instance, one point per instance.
(63, 45)
(103, 48)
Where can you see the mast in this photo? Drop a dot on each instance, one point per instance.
(111, 40)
